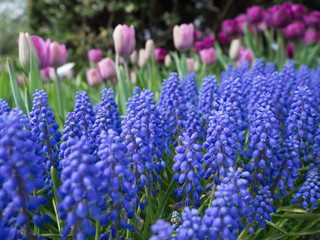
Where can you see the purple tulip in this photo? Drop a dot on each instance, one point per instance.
(208, 56)
(107, 68)
(311, 35)
(313, 19)
(199, 46)
(280, 15)
(159, 55)
(290, 50)
(255, 14)
(183, 36)
(298, 11)
(208, 41)
(124, 40)
(195, 35)
(94, 77)
(94, 55)
(294, 30)
(229, 27)
(223, 39)
(58, 54)
(43, 50)
(241, 21)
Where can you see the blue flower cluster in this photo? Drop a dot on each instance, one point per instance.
(162, 229)
(190, 89)
(4, 107)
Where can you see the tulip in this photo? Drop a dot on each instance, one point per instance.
(208, 41)
(311, 35)
(294, 30)
(199, 46)
(149, 50)
(43, 75)
(58, 54)
(208, 56)
(51, 73)
(159, 55)
(93, 77)
(245, 55)
(133, 77)
(183, 36)
(195, 35)
(241, 21)
(167, 60)
(124, 40)
(43, 51)
(280, 15)
(141, 59)
(290, 50)
(298, 11)
(223, 39)
(229, 27)
(94, 55)
(133, 57)
(107, 68)
(20, 80)
(25, 44)
(234, 49)
(313, 19)
(190, 64)
(255, 14)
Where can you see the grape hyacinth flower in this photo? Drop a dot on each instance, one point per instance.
(81, 192)
(194, 122)
(310, 192)
(162, 229)
(47, 130)
(4, 106)
(190, 88)
(118, 182)
(78, 123)
(189, 170)
(21, 174)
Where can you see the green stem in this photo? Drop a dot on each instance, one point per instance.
(57, 216)
(97, 230)
(148, 211)
(59, 94)
(212, 194)
(244, 231)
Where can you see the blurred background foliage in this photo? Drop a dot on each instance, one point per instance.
(86, 24)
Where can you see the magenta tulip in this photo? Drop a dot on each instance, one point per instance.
(93, 77)
(199, 46)
(124, 40)
(183, 36)
(43, 50)
(107, 68)
(159, 55)
(294, 30)
(208, 56)
(241, 21)
(208, 41)
(94, 55)
(280, 15)
(58, 54)
(255, 14)
(290, 50)
(313, 19)
(298, 11)
(229, 27)
(311, 35)
(223, 39)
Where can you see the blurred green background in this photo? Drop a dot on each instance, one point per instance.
(86, 24)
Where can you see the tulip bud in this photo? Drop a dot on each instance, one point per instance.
(245, 55)
(159, 55)
(234, 49)
(290, 50)
(311, 35)
(124, 40)
(280, 15)
(93, 77)
(94, 55)
(183, 36)
(229, 27)
(223, 39)
(25, 46)
(208, 56)
(294, 30)
(149, 50)
(134, 57)
(43, 75)
(190, 64)
(133, 77)
(58, 54)
(107, 68)
(43, 51)
(255, 14)
(20, 80)
(141, 60)
(167, 60)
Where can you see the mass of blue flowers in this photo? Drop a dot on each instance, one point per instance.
(214, 158)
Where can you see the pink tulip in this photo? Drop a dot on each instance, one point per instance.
(183, 36)
(107, 68)
(229, 27)
(124, 40)
(43, 75)
(20, 80)
(311, 35)
(58, 54)
(94, 55)
(94, 77)
(190, 64)
(133, 77)
(290, 50)
(294, 30)
(223, 39)
(159, 55)
(208, 56)
(255, 14)
(245, 55)
(43, 50)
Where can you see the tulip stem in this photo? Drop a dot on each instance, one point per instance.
(97, 230)
(59, 94)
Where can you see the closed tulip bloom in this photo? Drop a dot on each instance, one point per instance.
(199, 46)
(223, 39)
(208, 56)
(43, 75)
(234, 49)
(255, 14)
(93, 77)
(149, 50)
(167, 60)
(290, 50)
(133, 77)
(280, 15)
(208, 41)
(241, 21)
(183, 36)
(245, 55)
(25, 45)
(124, 40)
(190, 64)
(159, 55)
(298, 11)
(311, 35)
(313, 19)
(58, 54)
(43, 51)
(94, 55)
(229, 27)
(20, 80)
(133, 57)
(107, 68)
(141, 59)
(294, 30)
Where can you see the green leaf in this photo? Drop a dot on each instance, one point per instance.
(164, 200)
(15, 89)
(177, 62)
(35, 79)
(276, 227)
(298, 216)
